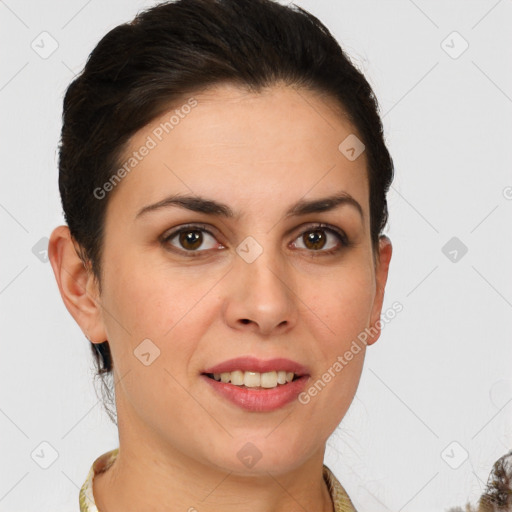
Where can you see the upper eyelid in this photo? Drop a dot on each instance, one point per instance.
(170, 233)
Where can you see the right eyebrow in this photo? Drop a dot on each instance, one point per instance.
(194, 203)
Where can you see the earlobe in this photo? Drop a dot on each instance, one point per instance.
(381, 276)
(76, 284)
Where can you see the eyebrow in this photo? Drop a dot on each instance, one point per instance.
(209, 206)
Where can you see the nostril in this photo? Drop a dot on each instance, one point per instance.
(245, 321)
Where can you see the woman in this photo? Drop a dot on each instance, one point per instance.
(223, 175)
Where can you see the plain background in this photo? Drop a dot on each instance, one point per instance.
(432, 412)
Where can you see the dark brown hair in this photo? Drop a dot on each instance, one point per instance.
(497, 496)
(140, 69)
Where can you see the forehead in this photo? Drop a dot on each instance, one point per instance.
(243, 148)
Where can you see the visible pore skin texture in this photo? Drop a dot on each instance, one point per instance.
(179, 440)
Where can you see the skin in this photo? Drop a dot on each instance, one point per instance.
(259, 154)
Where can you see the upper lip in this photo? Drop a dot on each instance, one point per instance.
(252, 364)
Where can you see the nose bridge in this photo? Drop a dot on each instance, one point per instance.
(263, 292)
(262, 267)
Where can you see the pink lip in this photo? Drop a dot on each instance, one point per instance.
(252, 364)
(259, 400)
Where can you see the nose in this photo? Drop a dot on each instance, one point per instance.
(261, 296)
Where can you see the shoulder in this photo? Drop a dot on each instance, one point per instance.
(340, 498)
(86, 495)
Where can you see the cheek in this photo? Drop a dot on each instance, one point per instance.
(152, 327)
(132, 313)
(342, 307)
(343, 301)
(150, 303)
(148, 300)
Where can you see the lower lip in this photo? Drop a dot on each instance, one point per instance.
(259, 400)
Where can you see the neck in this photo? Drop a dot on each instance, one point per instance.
(145, 479)
(139, 481)
(152, 474)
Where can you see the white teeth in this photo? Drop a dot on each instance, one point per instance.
(252, 379)
(269, 380)
(255, 379)
(237, 378)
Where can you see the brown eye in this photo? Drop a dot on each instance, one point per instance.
(322, 240)
(314, 239)
(191, 239)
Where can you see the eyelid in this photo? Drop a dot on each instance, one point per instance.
(170, 233)
(328, 227)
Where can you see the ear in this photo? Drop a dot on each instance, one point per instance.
(77, 285)
(381, 276)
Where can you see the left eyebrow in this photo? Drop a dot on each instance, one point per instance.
(212, 207)
(304, 207)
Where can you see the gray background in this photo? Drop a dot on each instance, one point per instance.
(432, 412)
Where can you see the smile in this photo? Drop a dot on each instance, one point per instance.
(257, 380)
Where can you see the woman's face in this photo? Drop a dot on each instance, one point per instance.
(254, 277)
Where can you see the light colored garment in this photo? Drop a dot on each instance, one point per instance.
(339, 496)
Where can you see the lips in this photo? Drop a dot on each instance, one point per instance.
(253, 364)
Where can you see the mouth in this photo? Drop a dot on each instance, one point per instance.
(251, 373)
(255, 391)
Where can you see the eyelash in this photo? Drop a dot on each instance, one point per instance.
(340, 235)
